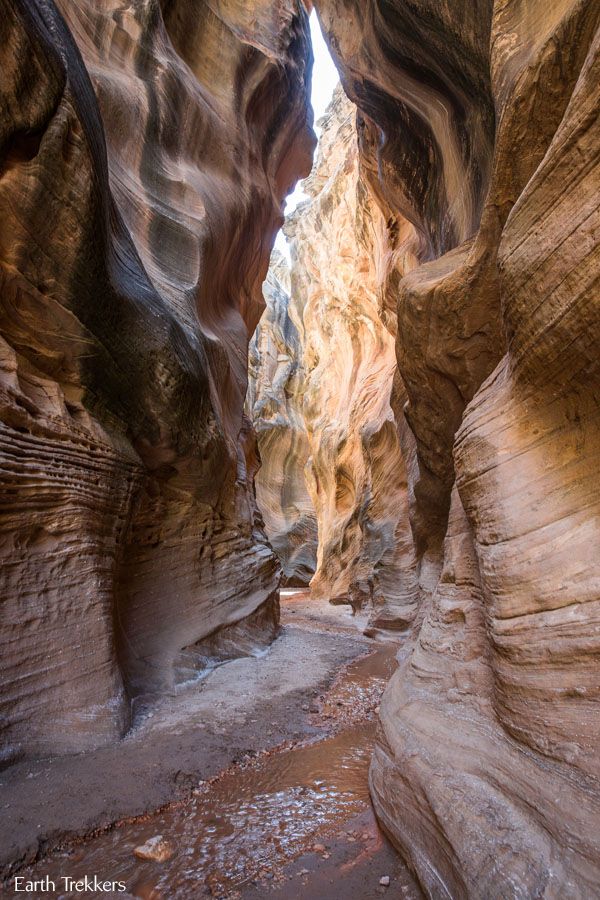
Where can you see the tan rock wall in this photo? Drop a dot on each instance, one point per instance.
(355, 470)
(480, 128)
(275, 404)
(145, 150)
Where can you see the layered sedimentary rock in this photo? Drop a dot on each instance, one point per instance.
(145, 151)
(356, 473)
(335, 368)
(275, 404)
(479, 128)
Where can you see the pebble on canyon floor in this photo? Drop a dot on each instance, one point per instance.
(156, 848)
(384, 881)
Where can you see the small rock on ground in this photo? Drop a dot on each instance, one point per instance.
(156, 849)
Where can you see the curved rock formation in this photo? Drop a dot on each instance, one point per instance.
(480, 128)
(354, 467)
(145, 151)
(275, 399)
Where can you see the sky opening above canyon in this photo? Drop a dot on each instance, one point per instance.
(324, 79)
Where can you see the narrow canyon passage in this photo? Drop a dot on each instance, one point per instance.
(293, 820)
(299, 506)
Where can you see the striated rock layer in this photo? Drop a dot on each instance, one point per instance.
(355, 470)
(321, 375)
(145, 150)
(479, 129)
(275, 404)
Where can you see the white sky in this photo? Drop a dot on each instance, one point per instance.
(324, 79)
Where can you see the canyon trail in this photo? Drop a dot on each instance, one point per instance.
(293, 730)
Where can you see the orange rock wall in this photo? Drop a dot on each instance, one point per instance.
(479, 126)
(322, 381)
(145, 151)
(355, 472)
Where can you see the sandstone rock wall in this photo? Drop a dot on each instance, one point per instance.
(355, 473)
(324, 366)
(145, 150)
(275, 404)
(479, 129)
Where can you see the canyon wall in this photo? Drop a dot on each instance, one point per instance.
(355, 471)
(275, 405)
(145, 151)
(324, 366)
(479, 129)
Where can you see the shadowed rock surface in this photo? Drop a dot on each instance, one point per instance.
(145, 151)
(275, 405)
(479, 125)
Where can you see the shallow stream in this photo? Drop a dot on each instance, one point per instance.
(245, 826)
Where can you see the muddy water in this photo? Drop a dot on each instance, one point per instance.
(252, 820)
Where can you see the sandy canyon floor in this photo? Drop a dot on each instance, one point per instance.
(254, 776)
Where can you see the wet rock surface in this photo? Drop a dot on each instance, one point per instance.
(191, 735)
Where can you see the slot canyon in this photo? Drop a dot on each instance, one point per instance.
(300, 515)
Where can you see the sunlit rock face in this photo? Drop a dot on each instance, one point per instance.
(145, 150)
(275, 405)
(355, 470)
(479, 126)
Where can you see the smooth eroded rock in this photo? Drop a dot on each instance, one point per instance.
(145, 152)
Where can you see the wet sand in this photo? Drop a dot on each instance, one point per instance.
(292, 819)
